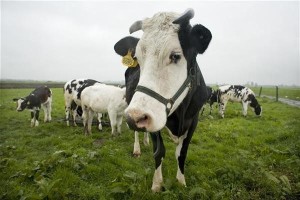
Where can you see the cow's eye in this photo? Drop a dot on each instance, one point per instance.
(174, 57)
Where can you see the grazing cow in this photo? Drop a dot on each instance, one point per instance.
(102, 98)
(238, 93)
(40, 97)
(72, 94)
(171, 89)
(132, 75)
(212, 98)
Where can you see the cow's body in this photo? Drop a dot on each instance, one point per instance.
(238, 93)
(171, 89)
(102, 98)
(40, 97)
(72, 96)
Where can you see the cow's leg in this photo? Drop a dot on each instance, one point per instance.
(113, 122)
(245, 107)
(210, 108)
(222, 106)
(181, 150)
(136, 146)
(90, 120)
(119, 123)
(146, 138)
(32, 113)
(50, 110)
(34, 118)
(45, 112)
(84, 120)
(67, 112)
(74, 115)
(159, 152)
(99, 115)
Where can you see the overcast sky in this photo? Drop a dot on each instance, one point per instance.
(52, 40)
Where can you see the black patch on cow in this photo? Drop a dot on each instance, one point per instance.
(84, 84)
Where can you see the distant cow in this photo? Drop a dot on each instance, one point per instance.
(212, 98)
(72, 94)
(171, 89)
(40, 97)
(132, 75)
(238, 93)
(102, 98)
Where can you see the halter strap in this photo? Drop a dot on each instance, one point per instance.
(167, 102)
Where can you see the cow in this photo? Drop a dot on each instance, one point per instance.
(72, 94)
(212, 98)
(171, 89)
(238, 93)
(40, 97)
(132, 75)
(102, 98)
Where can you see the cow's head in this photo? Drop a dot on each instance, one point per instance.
(166, 53)
(255, 105)
(21, 103)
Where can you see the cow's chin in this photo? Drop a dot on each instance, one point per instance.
(142, 118)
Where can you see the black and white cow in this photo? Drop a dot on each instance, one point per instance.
(132, 76)
(72, 96)
(211, 99)
(238, 93)
(40, 97)
(171, 89)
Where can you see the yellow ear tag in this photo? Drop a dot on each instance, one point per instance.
(129, 61)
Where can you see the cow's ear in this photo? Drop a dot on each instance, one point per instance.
(15, 99)
(200, 37)
(125, 44)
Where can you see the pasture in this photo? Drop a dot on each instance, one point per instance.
(230, 158)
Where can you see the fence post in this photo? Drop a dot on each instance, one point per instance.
(276, 93)
(260, 91)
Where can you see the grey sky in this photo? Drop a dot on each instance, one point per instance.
(252, 41)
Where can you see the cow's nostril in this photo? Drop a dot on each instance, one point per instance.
(138, 122)
(143, 118)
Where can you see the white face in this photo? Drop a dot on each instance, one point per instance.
(19, 104)
(163, 70)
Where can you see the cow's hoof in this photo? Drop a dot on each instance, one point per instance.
(136, 154)
(156, 188)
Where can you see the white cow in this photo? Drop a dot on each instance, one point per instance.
(102, 98)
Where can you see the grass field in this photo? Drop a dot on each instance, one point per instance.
(231, 158)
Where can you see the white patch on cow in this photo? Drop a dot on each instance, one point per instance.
(158, 73)
(19, 102)
(180, 177)
(157, 180)
(102, 98)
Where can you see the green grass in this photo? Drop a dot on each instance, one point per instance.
(231, 158)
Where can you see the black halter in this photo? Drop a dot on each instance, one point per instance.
(168, 102)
